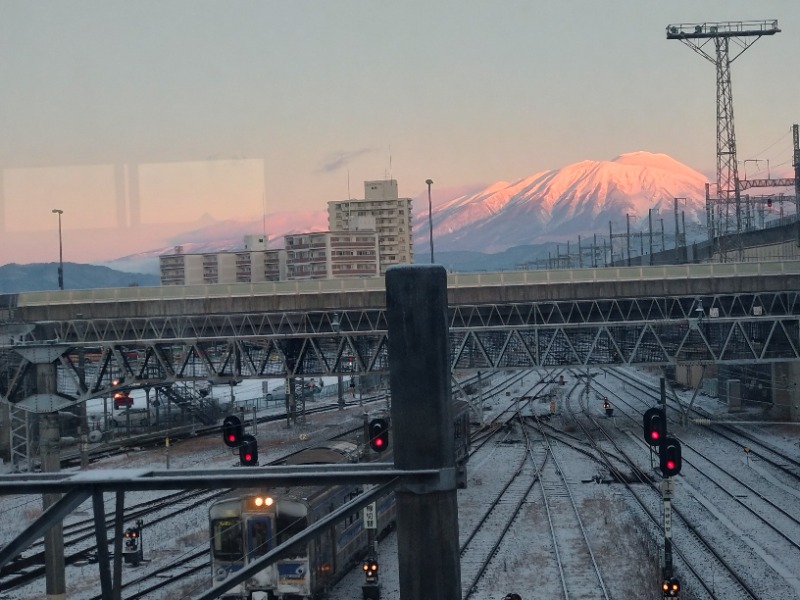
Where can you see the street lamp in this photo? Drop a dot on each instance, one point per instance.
(430, 214)
(60, 212)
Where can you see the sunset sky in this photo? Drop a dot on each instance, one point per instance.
(236, 109)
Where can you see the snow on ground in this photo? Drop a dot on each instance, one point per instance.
(627, 555)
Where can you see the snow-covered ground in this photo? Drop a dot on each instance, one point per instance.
(626, 550)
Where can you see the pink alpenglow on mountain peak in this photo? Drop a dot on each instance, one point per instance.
(560, 204)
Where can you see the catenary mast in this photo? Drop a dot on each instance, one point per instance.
(743, 34)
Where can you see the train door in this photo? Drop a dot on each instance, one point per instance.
(259, 541)
(259, 537)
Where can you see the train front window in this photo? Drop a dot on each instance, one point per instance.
(287, 527)
(227, 541)
(259, 537)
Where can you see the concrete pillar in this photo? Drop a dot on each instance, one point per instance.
(785, 392)
(49, 445)
(734, 395)
(5, 432)
(423, 430)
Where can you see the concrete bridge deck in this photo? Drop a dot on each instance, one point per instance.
(511, 287)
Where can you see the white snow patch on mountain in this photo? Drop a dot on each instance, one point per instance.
(580, 198)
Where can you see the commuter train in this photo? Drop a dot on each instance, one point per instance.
(246, 524)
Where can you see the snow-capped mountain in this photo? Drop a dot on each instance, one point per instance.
(559, 205)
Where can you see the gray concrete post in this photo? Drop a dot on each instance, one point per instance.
(119, 517)
(49, 445)
(423, 430)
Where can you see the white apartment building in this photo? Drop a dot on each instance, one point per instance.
(332, 254)
(381, 211)
(250, 265)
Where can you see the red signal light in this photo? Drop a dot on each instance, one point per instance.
(378, 432)
(670, 457)
(248, 451)
(232, 431)
(655, 426)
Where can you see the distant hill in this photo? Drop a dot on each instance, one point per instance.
(39, 277)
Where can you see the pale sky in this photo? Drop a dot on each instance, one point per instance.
(233, 109)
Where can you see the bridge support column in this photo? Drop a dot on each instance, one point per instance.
(290, 391)
(785, 392)
(49, 452)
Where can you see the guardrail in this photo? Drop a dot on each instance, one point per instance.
(377, 284)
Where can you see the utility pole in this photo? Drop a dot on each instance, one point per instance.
(60, 212)
(796, 164)
(628, 236)
(429, 182)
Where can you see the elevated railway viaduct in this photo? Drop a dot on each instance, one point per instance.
(61, 348)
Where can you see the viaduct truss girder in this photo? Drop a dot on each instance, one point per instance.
(97, 356)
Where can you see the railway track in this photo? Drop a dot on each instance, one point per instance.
(701, 557)
(489, 532)
(577, 567)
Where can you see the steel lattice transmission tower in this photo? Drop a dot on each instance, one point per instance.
(744, 34)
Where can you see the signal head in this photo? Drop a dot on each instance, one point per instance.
(671, 587)
(248, 451)
(378, 434)
(655, 426)
(232, 431)
(669, 455)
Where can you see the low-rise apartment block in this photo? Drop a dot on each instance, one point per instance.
(332, 254)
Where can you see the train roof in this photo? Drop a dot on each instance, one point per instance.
(326, 453)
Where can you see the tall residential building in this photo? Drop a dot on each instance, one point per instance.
(332, 254)
(381, 211)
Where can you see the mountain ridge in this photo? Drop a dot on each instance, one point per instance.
(581, 198)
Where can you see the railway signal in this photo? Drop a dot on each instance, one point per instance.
(669, 454)
(378, 431)
(671, 587)
(132, 550)
(655, 426)
(248, 451)
(232, 431)
(371, 590)
(371, 571)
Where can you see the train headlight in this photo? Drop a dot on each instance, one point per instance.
(220, 574)
(263, 502)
